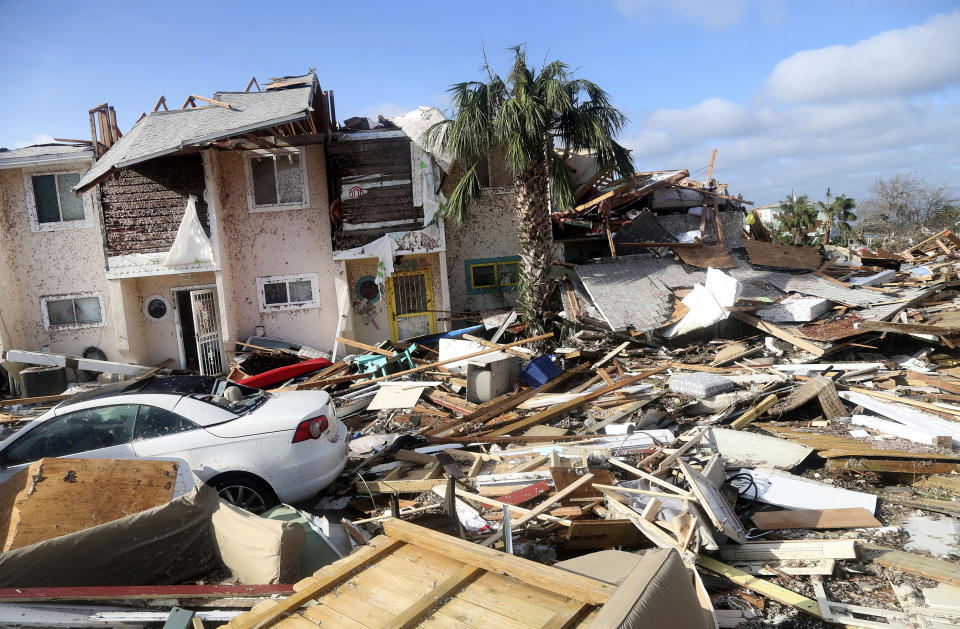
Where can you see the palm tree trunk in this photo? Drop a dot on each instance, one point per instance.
(535, 240)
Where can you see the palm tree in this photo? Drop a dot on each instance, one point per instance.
(840, 213)
(538, 117)
(798, 215)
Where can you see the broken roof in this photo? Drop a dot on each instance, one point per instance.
(165, 132)
(415, 123)
(38, 153)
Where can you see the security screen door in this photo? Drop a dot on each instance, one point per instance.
(206, 324)
(410, 299)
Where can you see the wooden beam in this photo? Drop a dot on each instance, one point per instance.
(755, 411)
(251, 83)
(140, 592)
(365, 347)
(72, 141)
(560, 409)
(404, 486)
(216, 103)
(848, 518)
(713, 157)
(513, 508)
(761, 586)
(780, 333)
(567, 615)
(423, 606)
(905, 328)
(189, 101)
(456, 359)
(555, 580)
(560, 495)
(162, 101)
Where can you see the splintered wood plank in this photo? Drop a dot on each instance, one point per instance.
(761, 586)
(296, 621)
(512, 599)
(567, 615)
(444, 564)
(475, 616)
(424, 605)
(919, 565)
(848, 518)
(551, 579)
(327, 617)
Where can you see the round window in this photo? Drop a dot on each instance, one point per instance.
(366, 288)
(156, 308)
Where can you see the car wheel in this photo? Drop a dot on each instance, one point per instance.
(245, 492)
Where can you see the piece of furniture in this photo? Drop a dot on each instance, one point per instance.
(655, 589)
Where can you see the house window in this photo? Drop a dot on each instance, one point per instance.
(51, 203)
(492, 274)
(287, 292)
(276, 180)
(71, 312)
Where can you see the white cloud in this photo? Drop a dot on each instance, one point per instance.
(386, 109)
(40, 138)
(765, 152)
(911, 60)
(713, 14)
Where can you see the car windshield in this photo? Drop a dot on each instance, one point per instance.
(243, 400)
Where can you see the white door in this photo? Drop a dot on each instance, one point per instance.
(206, 325)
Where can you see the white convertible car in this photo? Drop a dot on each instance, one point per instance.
(255, 448)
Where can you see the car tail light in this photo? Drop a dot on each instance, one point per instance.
(312, 428)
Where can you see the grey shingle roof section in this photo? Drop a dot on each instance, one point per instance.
(626, 294)
(39, 153)
(165, 132)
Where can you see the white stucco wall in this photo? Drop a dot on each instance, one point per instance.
(261, 244)
(48, 263)
(489, 232)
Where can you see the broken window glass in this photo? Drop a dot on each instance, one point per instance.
(508, 273)
(275, 293)
(74, 310)
(301, 290)
(71, 206)
(45, 195)
(289, 178)
(264, 181)
(153, 421)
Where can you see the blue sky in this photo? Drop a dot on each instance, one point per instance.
(795, 95)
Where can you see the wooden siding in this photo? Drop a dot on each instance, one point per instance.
(359, 162)
(143, 205)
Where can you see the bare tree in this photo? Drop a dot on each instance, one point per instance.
(903, 208)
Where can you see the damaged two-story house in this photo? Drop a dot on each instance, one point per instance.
(248, 213)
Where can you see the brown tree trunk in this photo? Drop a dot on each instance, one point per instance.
(535, 240)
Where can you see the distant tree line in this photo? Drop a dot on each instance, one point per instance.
(901, 209)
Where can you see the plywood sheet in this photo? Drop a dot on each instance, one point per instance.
(395, 397)
(781, 256)
(53, 497)
(715, 257)
(843, 518)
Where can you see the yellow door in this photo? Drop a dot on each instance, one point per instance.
(410, 304)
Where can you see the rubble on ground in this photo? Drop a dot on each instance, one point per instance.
(787, 424)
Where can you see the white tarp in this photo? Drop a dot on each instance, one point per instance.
(191, 246)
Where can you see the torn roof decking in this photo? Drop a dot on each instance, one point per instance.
(166, 132)
(636, 291)
(634, 187)
(40, 153)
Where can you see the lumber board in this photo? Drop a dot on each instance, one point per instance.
(140, 592)
(935, 569)
(761, 586)
(560, 409)
(755, 411)
(37, 400)
(780, 333)
(396, 486)
(846, 518)
(557, 497)
(566, 615)
(551, 579)
(422, 606)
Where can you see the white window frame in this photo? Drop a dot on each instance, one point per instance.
(31, 201)
(314, 280)
(71, 326)
(276, 207)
